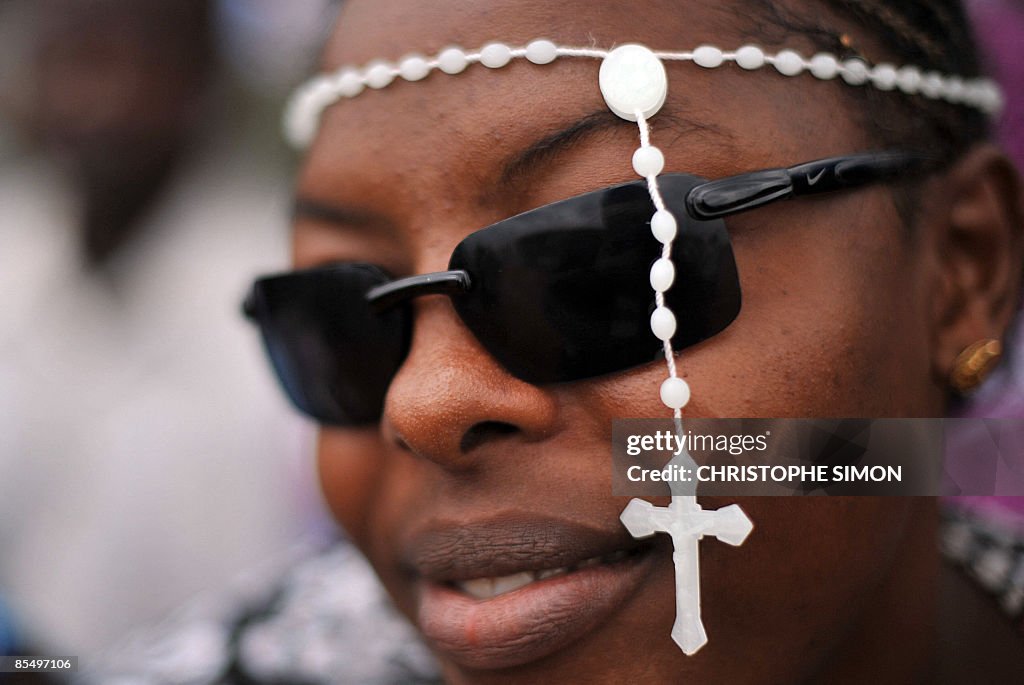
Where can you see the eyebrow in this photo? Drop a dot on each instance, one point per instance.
(319, 210)
(518, 167)
(521, 163)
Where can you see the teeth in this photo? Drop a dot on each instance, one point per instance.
(513, 582)
(551, 573)
(480, 588)
(486, 588)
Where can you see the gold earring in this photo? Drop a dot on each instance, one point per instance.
(974, 365)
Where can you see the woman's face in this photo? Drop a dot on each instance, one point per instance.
(472, 473)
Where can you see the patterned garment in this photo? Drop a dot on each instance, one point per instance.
(987, 541)
(326, 621)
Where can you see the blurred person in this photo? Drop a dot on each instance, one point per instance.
(144, 456)
(120, 96)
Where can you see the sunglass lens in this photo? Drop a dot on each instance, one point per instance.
(334, 354)
(560, 293)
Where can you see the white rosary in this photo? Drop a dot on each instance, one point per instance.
(634, 84)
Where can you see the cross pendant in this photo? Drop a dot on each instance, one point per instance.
(687, 522)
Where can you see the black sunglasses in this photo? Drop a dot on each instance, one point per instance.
(556, 294)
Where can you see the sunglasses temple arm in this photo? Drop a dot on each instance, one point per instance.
(716, 199)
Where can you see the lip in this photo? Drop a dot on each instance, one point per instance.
(535, 620)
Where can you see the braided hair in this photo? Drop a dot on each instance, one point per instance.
(934, 35)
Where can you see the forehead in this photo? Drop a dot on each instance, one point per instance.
(367, 26)
(455, 132)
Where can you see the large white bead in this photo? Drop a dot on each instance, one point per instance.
(909, 80)
(663, 274)
(495, 55)
(349, 83)
(708, 56)
(452, 60)
(413, 67)
(789, 63)
(824, 66)
(663, 323)
(884, 77)
(663, 226)
(856, 72)
(633, 79)
(675, 393)
(648, 161)
(750, 57)
(541, 52)
(379, 74)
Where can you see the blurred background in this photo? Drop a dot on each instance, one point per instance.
(146, 456)
(145, 452)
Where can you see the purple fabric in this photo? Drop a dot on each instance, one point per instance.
(999, 26)
(999, 507)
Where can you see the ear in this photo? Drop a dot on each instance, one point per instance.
(977, 234)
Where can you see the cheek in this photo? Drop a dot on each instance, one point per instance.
(813, 570)
(821, 303)
(371, 490)
(350, 471)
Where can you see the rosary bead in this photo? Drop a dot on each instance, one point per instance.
(954, 90)
(541, 52)
(855, 72)
(789, 63)
(663, 274)
(675, 393)
(322, 91)
(708, 57)
(932, 85)
(663, 226)
(884, 77)
(824, 66)
(413, 67)
(648, 161)
(349, 83)
(452, 60)
(633, 79)
(495, 55)
(379, 74)
(663, 323)
(750, 57)
(909, 80)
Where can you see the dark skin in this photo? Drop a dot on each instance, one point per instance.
(837, 590)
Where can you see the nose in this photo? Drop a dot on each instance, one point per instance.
(450, 398)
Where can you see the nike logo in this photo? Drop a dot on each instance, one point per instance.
(811, 181)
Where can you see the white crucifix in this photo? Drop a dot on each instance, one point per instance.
(687, 522)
